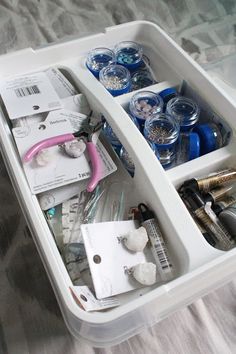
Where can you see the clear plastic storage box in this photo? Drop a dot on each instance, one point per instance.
(200, 267)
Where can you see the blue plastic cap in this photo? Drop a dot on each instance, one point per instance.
(194, 146)
(207, 138)
(167, 92)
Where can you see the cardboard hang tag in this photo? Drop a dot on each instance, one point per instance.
(29, 94)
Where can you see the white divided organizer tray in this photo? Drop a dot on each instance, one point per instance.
(199, 267)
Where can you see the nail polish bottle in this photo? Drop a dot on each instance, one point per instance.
(209, 220)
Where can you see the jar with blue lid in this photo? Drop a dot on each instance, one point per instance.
(116, 79)
(141, 78)
(144, 105)
(188, 147)
(163, 130)
(167, 94)
(210, 137)
(98, 58)
(129, 54)
(185, 111)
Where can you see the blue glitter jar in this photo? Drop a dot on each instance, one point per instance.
(167, 95)
(116, 79)
(163, 131)
(141, 78)
(129, 54)
(185, 111)
(98, 58)
(144, 105)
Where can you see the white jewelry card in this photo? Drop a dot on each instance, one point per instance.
(108, 257)
(25, 95)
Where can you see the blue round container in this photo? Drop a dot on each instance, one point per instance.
(210, 137)
(144, 105)
(98, 58)
(116, 79)
(129, 54)
(141, 78)
(185, 111)
(163, 131)
(167, 95)
(194, 146)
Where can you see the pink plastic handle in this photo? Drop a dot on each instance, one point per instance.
(96, 167)
(43, 144)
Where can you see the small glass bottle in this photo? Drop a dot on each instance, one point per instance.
(145, 104)
(188, 147)
(129, 54)
(210, 137)
(163, 131)
(158, 244)
(98, 58)
(185, 111)
(167, 94)
(116, 79)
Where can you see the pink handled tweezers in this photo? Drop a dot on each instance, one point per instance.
(86, 132)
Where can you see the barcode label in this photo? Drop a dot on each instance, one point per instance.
(161, 254)
(27, 91)
(158, 245)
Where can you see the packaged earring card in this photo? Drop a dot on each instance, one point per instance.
(47, 162)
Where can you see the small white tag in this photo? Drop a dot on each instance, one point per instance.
(86, 299)
(69, 215)
(61, 169)
(29, 94)
(108, 258)
(62, 86)
(57, 196)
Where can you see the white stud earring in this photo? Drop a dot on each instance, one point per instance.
(144, 273)
(135, 240)
(74, 148)
(43, 157)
